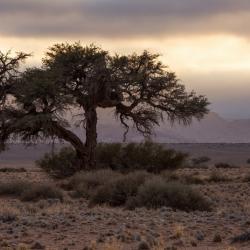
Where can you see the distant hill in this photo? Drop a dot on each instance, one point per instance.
(212, 129)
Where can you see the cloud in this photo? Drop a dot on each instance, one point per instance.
(119, 18)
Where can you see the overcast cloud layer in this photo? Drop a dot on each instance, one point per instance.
(116, 18)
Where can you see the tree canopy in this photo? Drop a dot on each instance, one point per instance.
(139, 88)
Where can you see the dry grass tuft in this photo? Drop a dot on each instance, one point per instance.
(8, 213)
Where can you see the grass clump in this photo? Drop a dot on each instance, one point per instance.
(217, 177)
(8, 214)
(84, 184)
(26, 191)
(41, 192)
(117, 191)
(142, 189)
(156, 193)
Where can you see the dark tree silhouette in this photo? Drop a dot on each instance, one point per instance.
(139, 88)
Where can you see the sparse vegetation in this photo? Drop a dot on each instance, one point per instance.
(217, 177)
(85, 183)
(27, 191)
(247, 178)
(117, 191)
(193, 179)
(8, 214)
(156, 193)
(144, 190)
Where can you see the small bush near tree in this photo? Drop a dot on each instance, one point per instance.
(59, 165)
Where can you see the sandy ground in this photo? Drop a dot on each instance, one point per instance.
(72, 225)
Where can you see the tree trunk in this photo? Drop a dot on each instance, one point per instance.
(91, 136)
(75, 141)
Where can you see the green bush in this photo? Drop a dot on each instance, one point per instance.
(59, 165)
(156, 192)
(117, 191)
(27, 191)
(147, 156)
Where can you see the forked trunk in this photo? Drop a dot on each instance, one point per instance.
(91, 137)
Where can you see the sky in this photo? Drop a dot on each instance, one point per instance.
(206, 42)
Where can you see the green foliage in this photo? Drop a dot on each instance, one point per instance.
(156, 193)
(148, 156)
(59, 165)
(27, 191)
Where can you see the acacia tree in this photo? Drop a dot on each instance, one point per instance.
(139, 88)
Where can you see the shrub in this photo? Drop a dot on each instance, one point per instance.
(247, 178)
(109, 155)
(8, 214)
(224, 165)
(85, 183)
(200, 160)
(117, 191)
(30, 191)
(193, 179)
(14, 188)
(148, 156)
(61, 164)
(217, 177)
(156, 192)
(13, 170)
(40, 192)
